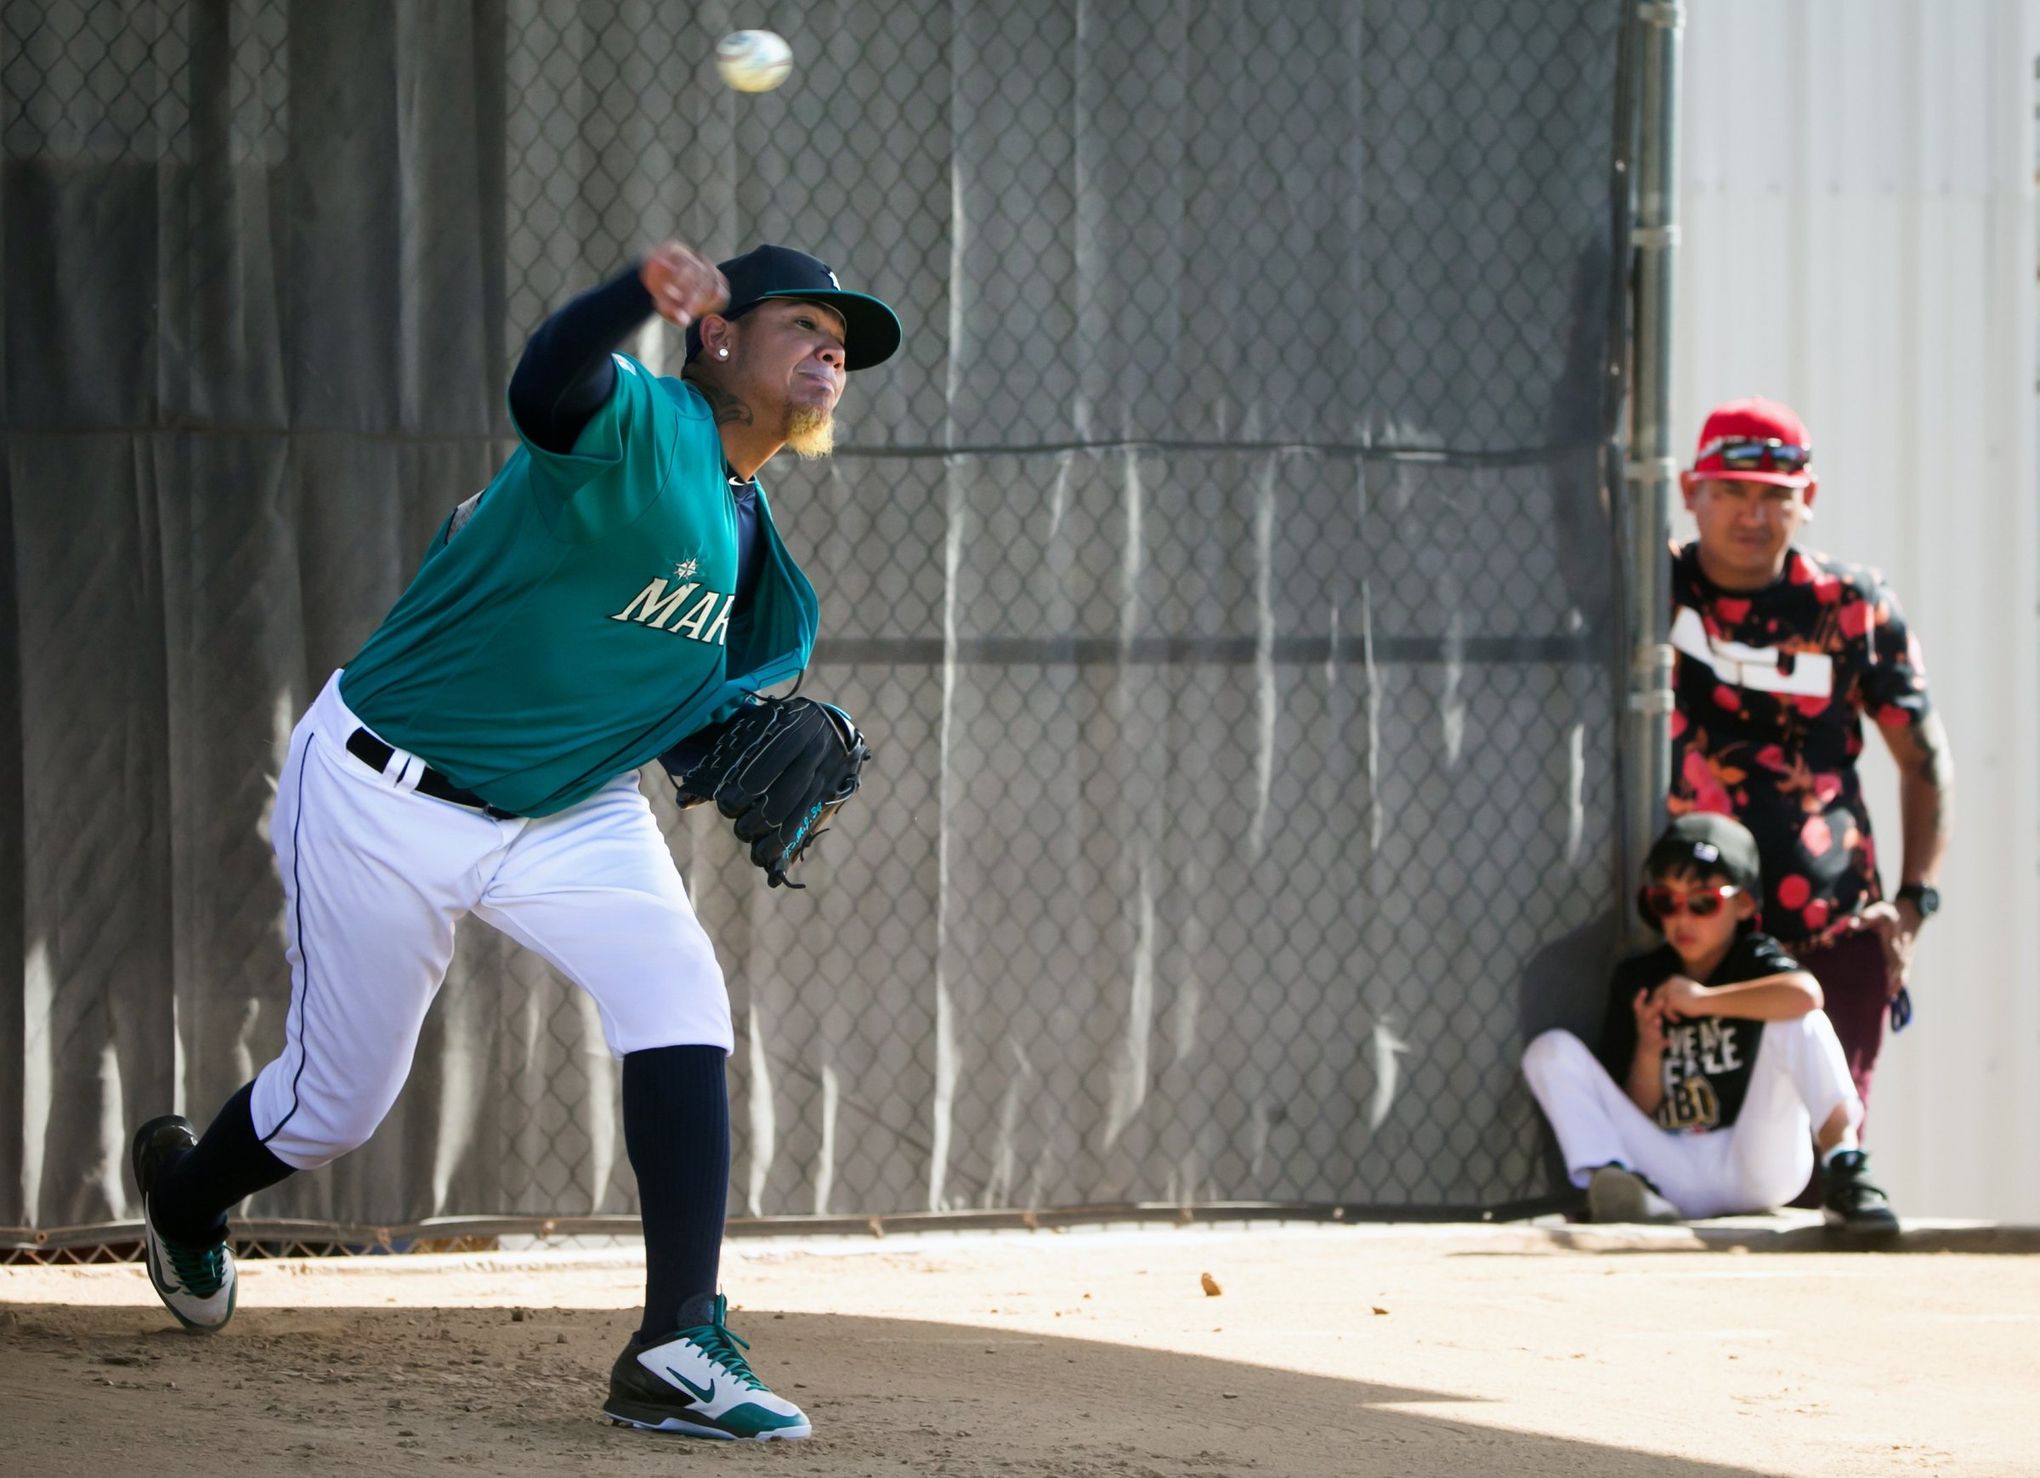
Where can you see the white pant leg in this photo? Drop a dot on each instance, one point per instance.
(1594, 1125)
(1597, 1124)
(594, 890)
(1799, 1078)
(374, 878)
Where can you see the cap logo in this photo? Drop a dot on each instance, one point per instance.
(838, 286)
(1706, 852)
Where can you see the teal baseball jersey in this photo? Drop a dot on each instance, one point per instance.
(580, 622)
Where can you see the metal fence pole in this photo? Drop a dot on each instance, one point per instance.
(1652, 469)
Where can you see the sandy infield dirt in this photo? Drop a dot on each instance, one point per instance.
(1327, 1351)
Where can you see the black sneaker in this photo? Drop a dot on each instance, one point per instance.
(196, 1283)
(1851, 1202)
(696, 1383)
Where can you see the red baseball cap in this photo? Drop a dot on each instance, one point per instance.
(1754, 425)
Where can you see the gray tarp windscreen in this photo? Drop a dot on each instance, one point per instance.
(1222, 571)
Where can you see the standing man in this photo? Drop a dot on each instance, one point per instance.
(617, 594)
(1781, 653)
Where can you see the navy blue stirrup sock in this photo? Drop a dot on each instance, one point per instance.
(229, 1164)
(676, 1129)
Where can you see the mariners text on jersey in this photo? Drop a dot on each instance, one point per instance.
(653, 606)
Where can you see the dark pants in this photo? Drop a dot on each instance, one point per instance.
(1854, 986)
(1853, 980)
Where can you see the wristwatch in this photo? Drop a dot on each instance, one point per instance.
(1923, 896)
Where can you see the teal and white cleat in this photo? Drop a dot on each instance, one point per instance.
(196, 1282)
(696, 1382)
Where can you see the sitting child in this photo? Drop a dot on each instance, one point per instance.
(1715, 1059)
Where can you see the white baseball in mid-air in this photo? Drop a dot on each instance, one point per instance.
(754, 61)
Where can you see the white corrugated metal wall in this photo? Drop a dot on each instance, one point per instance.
(1858, 239)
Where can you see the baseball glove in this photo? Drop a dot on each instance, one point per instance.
(779, 768)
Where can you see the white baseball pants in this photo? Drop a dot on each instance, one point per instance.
(1760, 1161)
(375, 876)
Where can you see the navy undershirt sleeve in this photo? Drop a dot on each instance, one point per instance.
(565, 374)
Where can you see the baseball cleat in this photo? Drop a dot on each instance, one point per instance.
(1849, 1201)
(1616, 1194)
(195, 1282)
(696, 1383)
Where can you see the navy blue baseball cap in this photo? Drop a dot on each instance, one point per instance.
(871, 330)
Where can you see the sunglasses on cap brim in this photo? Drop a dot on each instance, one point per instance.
(1660, 903)
(1751, 454)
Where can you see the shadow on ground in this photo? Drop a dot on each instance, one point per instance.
(90, 1391)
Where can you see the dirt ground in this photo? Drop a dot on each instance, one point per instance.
(1327, 1351)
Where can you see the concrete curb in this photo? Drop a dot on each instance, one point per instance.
(1794, 1234)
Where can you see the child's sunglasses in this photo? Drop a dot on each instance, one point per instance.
(1661, 903)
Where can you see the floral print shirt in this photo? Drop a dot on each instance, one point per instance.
(1771, 689)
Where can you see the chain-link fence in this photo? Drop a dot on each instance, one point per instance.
(1222, 570)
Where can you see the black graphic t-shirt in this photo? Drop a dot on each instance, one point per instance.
(1707, 1059)
(1772, 685)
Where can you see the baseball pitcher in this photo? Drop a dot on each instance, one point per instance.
(617, 594)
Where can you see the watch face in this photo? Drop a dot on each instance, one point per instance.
(1926, 900)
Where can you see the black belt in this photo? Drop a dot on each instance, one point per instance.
(372, 752)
